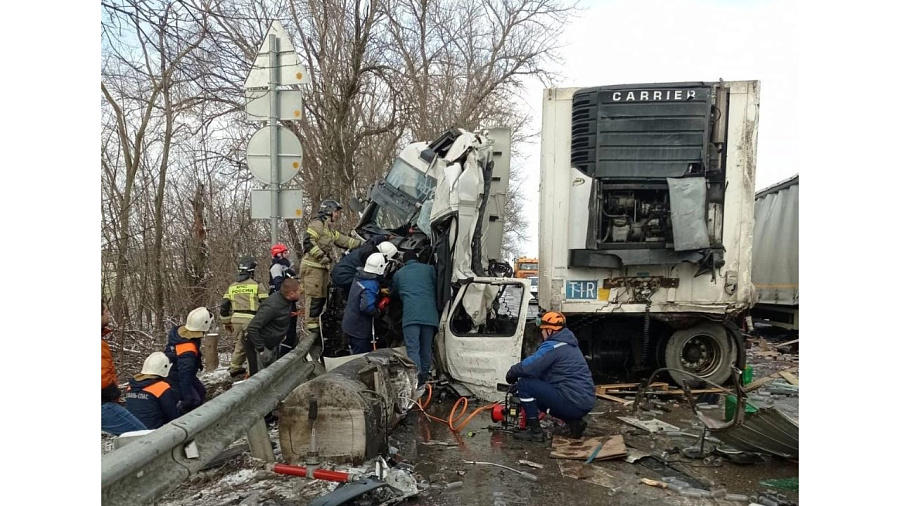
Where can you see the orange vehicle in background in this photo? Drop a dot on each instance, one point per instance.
(525, 267)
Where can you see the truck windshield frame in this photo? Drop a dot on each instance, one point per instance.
(407, 179)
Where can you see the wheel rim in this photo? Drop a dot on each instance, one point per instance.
(701, 355)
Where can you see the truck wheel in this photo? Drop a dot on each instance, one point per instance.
(704, 350)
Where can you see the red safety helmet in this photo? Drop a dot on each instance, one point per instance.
(278, 248)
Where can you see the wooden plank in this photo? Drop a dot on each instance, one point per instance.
(681, 392)
(790, 377)
(615, 399)
(787, 343)
(762, 381)
(619, 385)
(626, 388)
(580, 449)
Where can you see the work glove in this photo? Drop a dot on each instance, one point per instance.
(510, 378)
(383, 303)
(266, 356)
(229, 328)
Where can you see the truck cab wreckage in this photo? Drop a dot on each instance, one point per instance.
(646, 220)
(445, 200)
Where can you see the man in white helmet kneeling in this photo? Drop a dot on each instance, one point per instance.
(149, 396)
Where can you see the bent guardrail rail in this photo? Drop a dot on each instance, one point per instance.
(148, 468)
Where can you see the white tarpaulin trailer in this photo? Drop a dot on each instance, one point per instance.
(776, 253)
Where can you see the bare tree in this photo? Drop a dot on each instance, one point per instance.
(175, 185)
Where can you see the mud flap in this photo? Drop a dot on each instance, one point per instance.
(735, 334)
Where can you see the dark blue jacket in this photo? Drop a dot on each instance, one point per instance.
(361, 310)
(152, 400)
(343, 273)
(186, 362)
(559, 361)
(416, 285)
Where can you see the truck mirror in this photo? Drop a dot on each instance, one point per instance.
(356, 205)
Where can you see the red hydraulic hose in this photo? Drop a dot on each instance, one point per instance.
(318, 474)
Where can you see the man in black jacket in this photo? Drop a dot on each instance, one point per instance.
(268, 327)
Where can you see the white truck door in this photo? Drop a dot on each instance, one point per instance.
(484, 332)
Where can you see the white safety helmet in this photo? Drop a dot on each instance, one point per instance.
(387, 249)
(158, 364)
(375, 264)
(199, 320)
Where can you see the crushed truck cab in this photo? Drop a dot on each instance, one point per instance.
(444, 200)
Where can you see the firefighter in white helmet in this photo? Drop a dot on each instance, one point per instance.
(183, 349)
(149, 396)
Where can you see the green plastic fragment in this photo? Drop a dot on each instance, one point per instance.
(789, 484)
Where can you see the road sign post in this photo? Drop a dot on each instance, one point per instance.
(273, 139)
(274, 153)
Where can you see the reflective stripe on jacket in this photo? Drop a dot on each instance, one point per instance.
(244, 298)
(152, 400)
(319, 242)
(186, 362)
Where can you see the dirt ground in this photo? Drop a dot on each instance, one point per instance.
(436, 458)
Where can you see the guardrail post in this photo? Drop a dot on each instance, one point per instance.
(260, 444)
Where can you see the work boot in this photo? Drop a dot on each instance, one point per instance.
(571, 429)
(238, 373)
(534, 432)
(576, 428)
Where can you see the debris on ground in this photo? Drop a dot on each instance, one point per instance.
(650, 426)
(697, 466)
(524, 474)
(791, 484)
(531, 464)
(611, 447)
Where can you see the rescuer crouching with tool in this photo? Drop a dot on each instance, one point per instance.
(555, 379)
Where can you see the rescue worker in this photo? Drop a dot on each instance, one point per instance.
(183, 350)
(416, 285)
(238, 306)
(556, 378)
(282, 269)
(267, 328)
(343, 273)
(149, 396)
(318, 243)
(114, 418)
(362, 305)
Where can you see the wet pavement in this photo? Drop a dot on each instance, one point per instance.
(611, 481)
(437, 458)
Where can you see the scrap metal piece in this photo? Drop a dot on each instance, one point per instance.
(768, 430)
(347, 492)
(651, 426)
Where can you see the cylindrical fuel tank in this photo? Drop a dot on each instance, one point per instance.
(358, 404)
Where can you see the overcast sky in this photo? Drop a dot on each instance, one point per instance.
(647, 41)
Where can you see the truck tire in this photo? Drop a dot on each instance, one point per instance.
(704, 350)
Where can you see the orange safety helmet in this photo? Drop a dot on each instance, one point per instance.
(552, 320)
(278, 248)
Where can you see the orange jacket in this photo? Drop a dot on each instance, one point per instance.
(109, 388)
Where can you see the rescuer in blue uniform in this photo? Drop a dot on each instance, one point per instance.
(556, 379)
(149, 396)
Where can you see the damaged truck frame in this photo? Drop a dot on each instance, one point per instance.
(645, 233)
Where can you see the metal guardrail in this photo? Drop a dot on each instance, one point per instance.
(148, 468)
